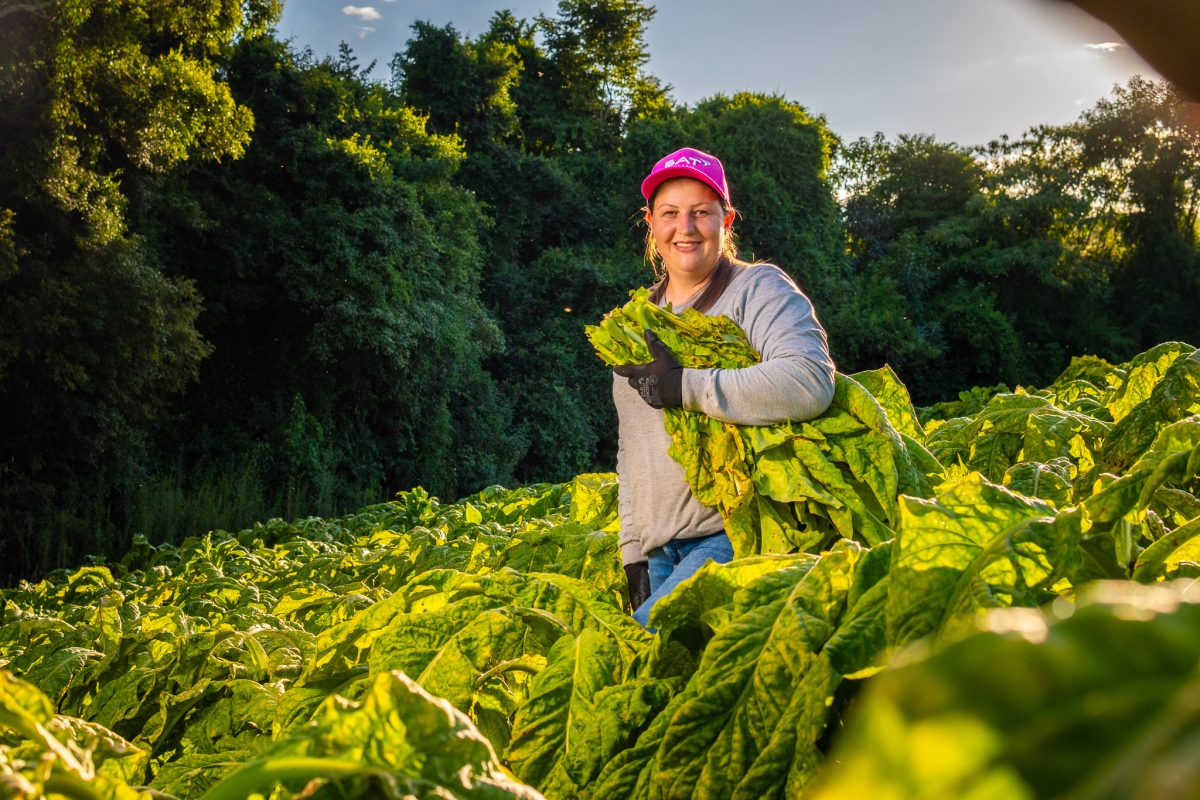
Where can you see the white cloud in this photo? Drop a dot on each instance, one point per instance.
(362, 12)
(365, 32)
(1104, 47)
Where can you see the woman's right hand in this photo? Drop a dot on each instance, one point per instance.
(638, 576)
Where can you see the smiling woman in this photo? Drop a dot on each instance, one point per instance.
(666, 533)
(689, 223)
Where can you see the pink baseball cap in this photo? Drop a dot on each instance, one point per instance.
(688, 163)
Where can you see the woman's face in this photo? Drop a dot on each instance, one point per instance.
(689, 228)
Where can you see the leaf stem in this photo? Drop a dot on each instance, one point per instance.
(70, 786)
(265, 771)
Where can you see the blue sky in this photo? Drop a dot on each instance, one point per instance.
(963, 70)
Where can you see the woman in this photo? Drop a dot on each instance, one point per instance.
(666, 533)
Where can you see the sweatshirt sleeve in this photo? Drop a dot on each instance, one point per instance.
(794, 380)
(628, 540)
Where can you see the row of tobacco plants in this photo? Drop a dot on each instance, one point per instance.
(994, 597)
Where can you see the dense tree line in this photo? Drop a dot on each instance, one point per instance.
(999, 263)
(237, 280)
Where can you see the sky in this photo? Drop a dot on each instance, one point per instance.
(964, 71)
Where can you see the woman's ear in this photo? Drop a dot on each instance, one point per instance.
(728, 220)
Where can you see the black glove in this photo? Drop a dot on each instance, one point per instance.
(638, 576)
(660, 383)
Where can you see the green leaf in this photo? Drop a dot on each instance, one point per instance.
(58, 668)
(630, 774)
(794, 753)
(1017, 427)
(1174, 457)
(581, 711)
(574, 550)
(1179, 545)
(947, 548)
(456, 651)
(193, 774)
(732, 706)
(860, 641)
(1178, 504)
(893, 397)
(26, 711)
(1050, 482)
(58, 755)
(787, 487)
(703, 604)
(1109, 690)
(343, 646)
(397, 742)
(705, 599)
(594, 501)
(244, 706)
(1092, 369)
(1141, 375)
(790, 758)
(113, 756)
(1173, 398)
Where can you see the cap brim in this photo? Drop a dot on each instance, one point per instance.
(655, 179)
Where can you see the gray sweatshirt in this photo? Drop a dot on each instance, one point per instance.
(794, 381)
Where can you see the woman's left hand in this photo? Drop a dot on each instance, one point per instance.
(660, 382)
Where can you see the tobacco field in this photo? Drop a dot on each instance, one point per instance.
(994, 597)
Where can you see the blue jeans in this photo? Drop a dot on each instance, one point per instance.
(678, 560)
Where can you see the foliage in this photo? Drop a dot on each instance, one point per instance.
(418, 648)
(227, 647)
(540, 123)
(1000, 262)
(233, 274)
(95, 338)
(357, 274)
(224, 264)
(465, 86)
(591, 80)
(1091, 698)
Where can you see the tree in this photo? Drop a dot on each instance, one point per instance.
(1146, 161)
(580, 90)
(1004, 262)
(600, 47)
(1117, 190)
(94, 340)
(465, 87)
(349, 290)
(541, 125)
(951, 290)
